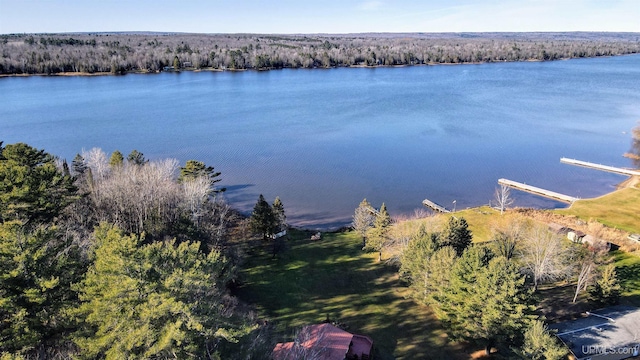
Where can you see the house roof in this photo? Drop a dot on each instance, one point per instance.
(616, 328)
(326, 340)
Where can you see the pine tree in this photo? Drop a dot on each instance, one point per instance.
(425, 266)
(539, 344)
(32, 189)
(78, 165)
(116, 159)
(263, 220)
(486, 300)
(160, 300)
(194, 169)
(37, 268)
(378, 234)
(136, 158)
(278, 213)
(457, 235)
(606, 290)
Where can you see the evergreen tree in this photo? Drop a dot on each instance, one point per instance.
(416, 256)
(486, 300)
(116, 159)
(160, 300)
(65, 169)
(378, 234)
(194, 169)
(32, 188)
(539, 344)
(37, 268)
(78, 165)
(263, 220)
(136, 158)
(426, 265)
(278, 213)
(457, 235)
(606, 290)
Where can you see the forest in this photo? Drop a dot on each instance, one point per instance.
(118, 258)
(119, 53)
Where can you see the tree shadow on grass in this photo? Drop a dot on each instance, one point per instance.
(629, 278)
(333, 278)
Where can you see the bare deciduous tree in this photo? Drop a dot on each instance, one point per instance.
(586, 264)
(502, 198)
(509, 236)
(363, 219)
(97, 161)
(120, 53)
(543, 255)
(130, 196)
(196, 193)
(585, 276)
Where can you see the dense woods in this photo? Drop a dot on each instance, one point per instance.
(119, 53)
(116, 259)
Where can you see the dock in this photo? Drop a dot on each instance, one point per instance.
(537, 191)
(434, 206)
(612, 169)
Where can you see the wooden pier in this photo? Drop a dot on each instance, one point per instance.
(600, 167)
(434, 206)
(537, 191)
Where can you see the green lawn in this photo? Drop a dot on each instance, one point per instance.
(311, 280)
(482, 220)
(628, 270)
(619, 209)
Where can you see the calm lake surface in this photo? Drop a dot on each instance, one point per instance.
(325, 139)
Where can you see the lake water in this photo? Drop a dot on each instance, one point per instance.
(325, 139)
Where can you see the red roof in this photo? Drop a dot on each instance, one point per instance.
(324, 340)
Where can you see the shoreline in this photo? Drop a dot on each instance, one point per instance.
(71, 74)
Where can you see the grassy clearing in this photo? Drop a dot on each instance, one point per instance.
(628, 270)
(619, 209)
(482, 220)
(333, 277)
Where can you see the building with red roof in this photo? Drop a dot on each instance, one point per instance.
(324, 342)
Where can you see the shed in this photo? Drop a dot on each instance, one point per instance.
(575, 236)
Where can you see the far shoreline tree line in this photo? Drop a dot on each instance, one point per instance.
(118, 53)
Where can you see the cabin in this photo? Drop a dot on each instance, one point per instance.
(576, 236)
(607, 334)
(327, 342)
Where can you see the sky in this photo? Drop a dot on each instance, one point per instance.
(310, 17)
